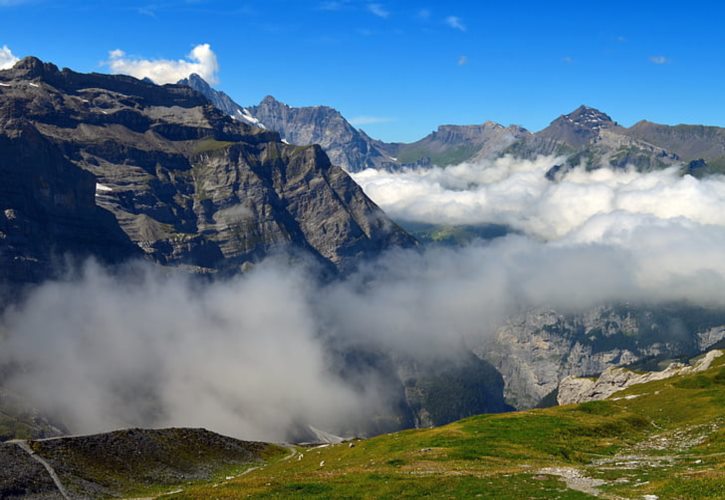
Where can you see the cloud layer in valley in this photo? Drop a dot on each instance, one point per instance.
(201, 60)
(584, 206)
(254, 356)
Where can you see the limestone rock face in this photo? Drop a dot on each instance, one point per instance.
(47, 209)
(535, 351)
(614, 379)
(346, 146)
(187, 185)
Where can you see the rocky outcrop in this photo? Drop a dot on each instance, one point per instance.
(535, 351)
(614, 379)
(48, 212)
(221, 100)
(344, 144)
(186, 184)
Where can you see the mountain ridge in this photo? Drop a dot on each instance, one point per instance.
(186, 184)
(585, 135)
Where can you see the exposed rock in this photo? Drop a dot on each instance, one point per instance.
(47, 207)
(345, 145)
(187, 184)
(23, 477)
(615, 379)
(536, 350)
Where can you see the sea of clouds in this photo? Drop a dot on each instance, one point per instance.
(251, 356)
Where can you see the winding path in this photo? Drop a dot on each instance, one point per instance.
(58, 484)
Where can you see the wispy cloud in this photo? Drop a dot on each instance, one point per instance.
(567, 59)
(456, 23)
(378, 10)
(424, 14)
(462, 60)
(369, 120)
(333, 5)
(659, 60)
(201, 60)
(7, 58)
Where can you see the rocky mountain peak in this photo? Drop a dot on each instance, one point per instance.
(271, 101)
(195, 81)
(587, 117)
(32, 67)
(576, 129)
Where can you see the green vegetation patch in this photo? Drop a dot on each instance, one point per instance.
(210, 145)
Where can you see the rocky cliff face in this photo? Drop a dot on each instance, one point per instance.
(614, 379)
(187, 184)
(538, 349)
(345, 145)
(47, 206)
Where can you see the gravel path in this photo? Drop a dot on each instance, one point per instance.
(26, 447)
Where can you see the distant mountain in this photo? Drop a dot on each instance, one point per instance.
(352, 148)
(585, 136)
(689, 142)
(589, 137)
(113, 166)
(220, 100)
(345, 145)
(453, 144)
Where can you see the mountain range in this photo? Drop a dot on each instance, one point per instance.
(118, 168)
(114, 167)
(585, 136)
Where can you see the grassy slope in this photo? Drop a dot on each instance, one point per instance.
(668, 441)
(143, 462)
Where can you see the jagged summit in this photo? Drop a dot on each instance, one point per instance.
(33, 67)
(587, 117)
(578, 128)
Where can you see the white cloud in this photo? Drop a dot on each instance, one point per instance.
(456, 23)
(333, 5)
(424, 14)
(378, 10)
(584, 205)
(369, 120)
(659, 60)
(201, 60)
(462, 60)
(7, 58)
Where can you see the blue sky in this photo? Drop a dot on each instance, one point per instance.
(401, 68)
